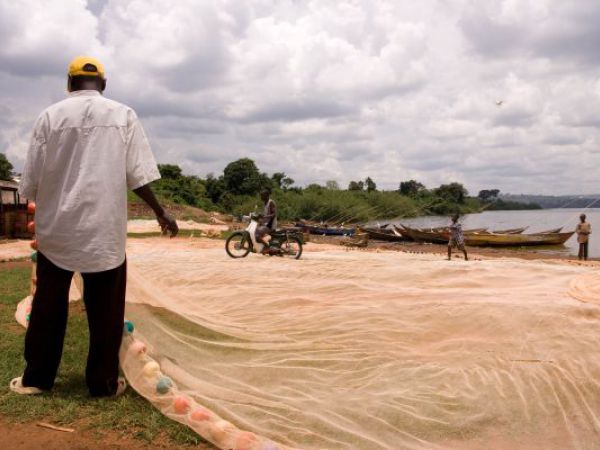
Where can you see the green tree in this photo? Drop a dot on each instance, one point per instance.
(6, 168)
(170, 171)
(179, 188)
(242, 177)
(356, 186)
(215, 187)
(278, 178)
(411, 188)
(370, 184)
(454, 192)
(332, 185)
(488, 194)
(286, 183)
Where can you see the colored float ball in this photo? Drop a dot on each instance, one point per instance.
(151, 368)
(245, 441)
(221, 430)
(33, 256)
(31, 208)
(31, 226)
(28, 309)
(127, 327)
(181, 405)
(33, 244)
(137, 348)
(200, 415)
(163, 385)
(28, 317)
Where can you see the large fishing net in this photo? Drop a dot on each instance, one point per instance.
(364, 350)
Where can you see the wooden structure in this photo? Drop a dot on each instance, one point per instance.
(13, 212)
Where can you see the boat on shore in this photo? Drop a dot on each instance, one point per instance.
(325, 230)
(487, 239)
(388, 235)
(511, 231)
(553, 230)
(446, 229)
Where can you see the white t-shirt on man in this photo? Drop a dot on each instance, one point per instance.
(85, 152)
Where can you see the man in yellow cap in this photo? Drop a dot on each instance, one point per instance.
(86, 151)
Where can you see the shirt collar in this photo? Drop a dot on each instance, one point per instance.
(84, 93)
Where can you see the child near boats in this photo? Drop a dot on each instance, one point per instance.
(456, 238)
(583, 230)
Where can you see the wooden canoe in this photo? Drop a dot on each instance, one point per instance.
(491, 239)
(553, 230)
(517, 240)
(325, 230)
(416, 234)
(446, 229)
(511, 231)
(377, 230)
(388, 235)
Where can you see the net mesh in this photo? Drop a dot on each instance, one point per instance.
(354, 350)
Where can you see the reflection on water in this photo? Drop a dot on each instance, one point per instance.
(536, 220)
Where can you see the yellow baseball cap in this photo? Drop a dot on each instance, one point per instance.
(86, 65)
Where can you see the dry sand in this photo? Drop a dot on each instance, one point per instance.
(149, 226)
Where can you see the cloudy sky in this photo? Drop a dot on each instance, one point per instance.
(330, 89)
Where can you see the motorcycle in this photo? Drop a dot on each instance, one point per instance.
(286, 243)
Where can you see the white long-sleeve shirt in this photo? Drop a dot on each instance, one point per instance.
(85, 152)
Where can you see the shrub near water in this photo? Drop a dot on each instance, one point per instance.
(236, 192)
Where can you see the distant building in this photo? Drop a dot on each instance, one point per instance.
(13, 212)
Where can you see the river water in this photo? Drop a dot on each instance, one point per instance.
(536, 220)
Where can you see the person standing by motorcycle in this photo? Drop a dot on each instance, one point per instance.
(267, 220)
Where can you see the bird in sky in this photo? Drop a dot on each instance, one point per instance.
(499, 102)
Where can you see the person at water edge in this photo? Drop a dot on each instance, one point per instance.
(85, 152)
(457, 238)
(267, 220)
(583, 230)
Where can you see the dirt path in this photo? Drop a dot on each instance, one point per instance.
(29, 436)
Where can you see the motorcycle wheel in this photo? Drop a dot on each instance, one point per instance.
(238, 245)
(291, 247)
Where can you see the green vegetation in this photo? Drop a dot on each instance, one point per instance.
(236, 192)
(494, 203)
(69, 402)
(6, 168)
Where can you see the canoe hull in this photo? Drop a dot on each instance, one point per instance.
(491, 239)
(389, 236)
(323, 231)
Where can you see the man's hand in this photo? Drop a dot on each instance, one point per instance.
(167, 224)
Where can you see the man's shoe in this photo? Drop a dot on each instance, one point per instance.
(16, 385)
(121, 386)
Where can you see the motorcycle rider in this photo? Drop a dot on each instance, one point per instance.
(267, 220)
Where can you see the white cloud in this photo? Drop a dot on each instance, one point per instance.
(331, 90)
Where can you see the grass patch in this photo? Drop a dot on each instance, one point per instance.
(69, 401)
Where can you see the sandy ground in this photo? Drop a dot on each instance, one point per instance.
(15, 249)
(149, 226)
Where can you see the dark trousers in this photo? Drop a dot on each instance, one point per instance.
(104, 297)
(583, 250)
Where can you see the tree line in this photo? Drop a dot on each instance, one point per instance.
(236, 190)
